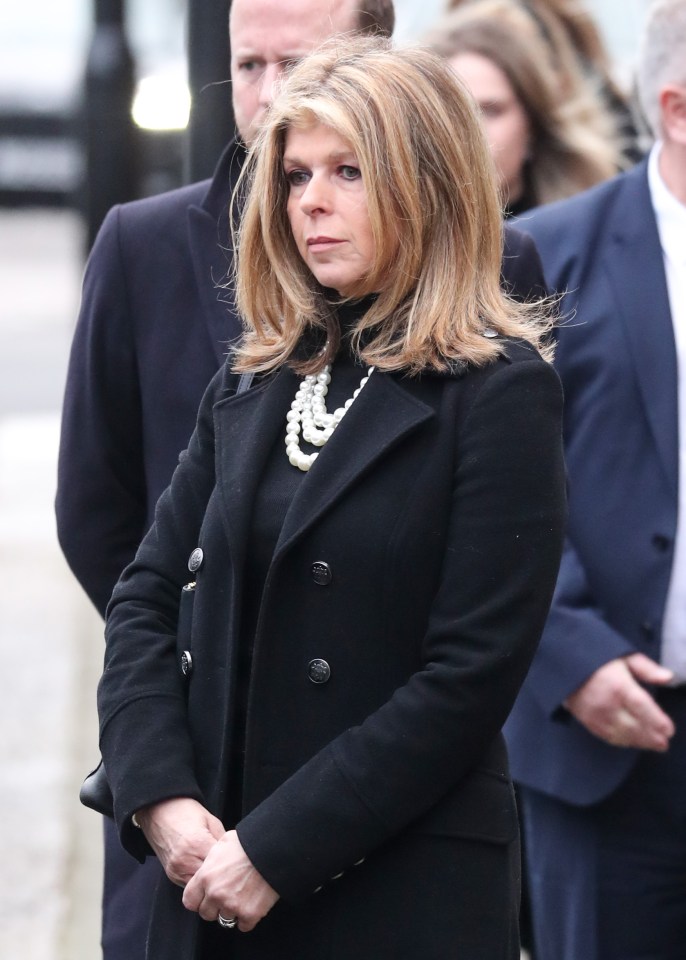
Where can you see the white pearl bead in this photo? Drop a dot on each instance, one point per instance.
(308, 413)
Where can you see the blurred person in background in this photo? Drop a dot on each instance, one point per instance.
(541, 142)
(329, 776)
(155, 324)
(577, 55)
(598, 734)
(582, 31)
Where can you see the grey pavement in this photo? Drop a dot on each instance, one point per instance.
(51, 639)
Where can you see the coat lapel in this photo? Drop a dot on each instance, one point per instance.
(246, 428)
(248, 425)
(209, 239)
(383, 414)
(636, 270)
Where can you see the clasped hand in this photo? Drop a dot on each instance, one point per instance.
(198, 854)
(614, 705)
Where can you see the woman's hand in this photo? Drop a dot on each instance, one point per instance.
(229, 884)
(181, 832)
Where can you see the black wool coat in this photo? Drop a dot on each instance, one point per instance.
(438, 506)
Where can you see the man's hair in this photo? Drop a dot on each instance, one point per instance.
(434, 213)
(376, 18)
(662, 58)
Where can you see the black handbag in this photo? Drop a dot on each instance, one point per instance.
(95, 792)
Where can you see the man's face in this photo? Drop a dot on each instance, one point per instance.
(267, 38)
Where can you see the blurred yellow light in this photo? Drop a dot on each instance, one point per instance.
(161, 103)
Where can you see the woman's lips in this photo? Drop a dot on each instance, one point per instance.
(316, 244)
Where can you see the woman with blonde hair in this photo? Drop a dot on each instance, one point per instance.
(308, 733)
(580, 59)
(551, 138)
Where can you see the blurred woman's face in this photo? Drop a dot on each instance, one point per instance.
(504, 118)
(327, 207)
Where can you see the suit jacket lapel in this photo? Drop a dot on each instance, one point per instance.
(636, 270)
(211, 250)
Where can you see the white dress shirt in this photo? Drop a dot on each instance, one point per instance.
(670, 214)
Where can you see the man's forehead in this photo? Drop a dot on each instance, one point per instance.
(286, 29)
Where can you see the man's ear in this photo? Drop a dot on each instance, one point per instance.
(673, 112)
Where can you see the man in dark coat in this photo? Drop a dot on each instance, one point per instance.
(597, 740)
(155, 324)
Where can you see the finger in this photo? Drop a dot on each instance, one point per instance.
(193, 894)
(215, 827)
(209, 909)
(628, 731)
(647, 670)
(647, 713)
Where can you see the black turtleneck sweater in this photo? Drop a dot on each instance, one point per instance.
(278, 485)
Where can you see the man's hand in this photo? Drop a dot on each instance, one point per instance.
(614, 706)
(181, 832)
(229, 884)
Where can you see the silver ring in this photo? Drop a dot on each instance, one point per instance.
(228, 922)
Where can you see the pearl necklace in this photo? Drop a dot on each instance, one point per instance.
(308, 411)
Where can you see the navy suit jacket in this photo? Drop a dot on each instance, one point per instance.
(153, 329)
(617, 360)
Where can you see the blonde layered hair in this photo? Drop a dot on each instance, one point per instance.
(573, 139)
(434, 213)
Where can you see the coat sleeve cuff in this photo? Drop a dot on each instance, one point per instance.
(299, 840)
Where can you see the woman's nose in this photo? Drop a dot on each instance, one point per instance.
(315, 196)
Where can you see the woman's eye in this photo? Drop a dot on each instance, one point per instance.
(349, 172)
(296, 178)
(492, 110)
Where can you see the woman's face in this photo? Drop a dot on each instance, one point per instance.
(504, 118)
(327, 207)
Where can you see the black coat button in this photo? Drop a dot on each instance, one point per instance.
(321, 573)
(186, 663)
(318, 671)
(661, 542)
(648, 630)
(195, 560)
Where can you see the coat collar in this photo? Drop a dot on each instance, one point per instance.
(635, 267)
(211, 249)
(248, 425)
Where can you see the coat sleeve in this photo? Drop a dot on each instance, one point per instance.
(503, 550)
(101, 500)
(141, 666)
